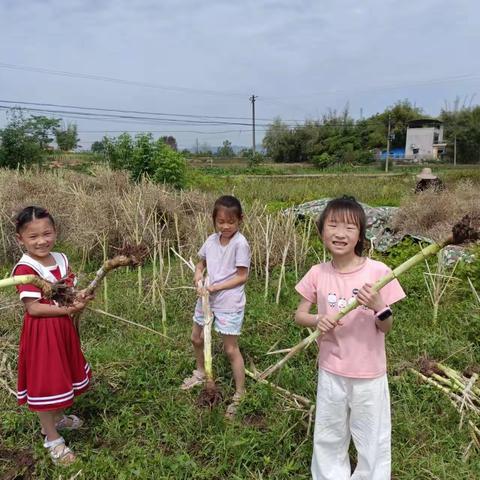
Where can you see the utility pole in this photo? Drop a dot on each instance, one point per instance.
(388, 144)
(252, 99)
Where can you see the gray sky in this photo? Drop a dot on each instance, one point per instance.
(207, 57)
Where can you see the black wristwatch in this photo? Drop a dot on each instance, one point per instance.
(384, 313)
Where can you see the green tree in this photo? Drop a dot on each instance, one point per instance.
(400, 114)
(41, 128)
(18, 148)
(24, 140)
(171, 142)
(118, 151)
(66, 138)
(463, 127)
(226, 149)
(98, 147)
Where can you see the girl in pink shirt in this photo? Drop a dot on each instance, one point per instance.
(352, 396)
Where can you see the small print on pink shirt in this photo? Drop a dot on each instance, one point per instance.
(356, 348)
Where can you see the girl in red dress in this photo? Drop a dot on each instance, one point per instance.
(51, 367)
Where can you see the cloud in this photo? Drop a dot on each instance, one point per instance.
(300, 57)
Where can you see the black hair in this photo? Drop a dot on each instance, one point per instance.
(230, 202)
(29, 214)
(350, 210)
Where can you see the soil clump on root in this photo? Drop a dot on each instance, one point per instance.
(210, 396)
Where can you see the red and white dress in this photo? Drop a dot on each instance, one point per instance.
(51, 367)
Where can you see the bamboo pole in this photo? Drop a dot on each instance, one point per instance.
(404, 267)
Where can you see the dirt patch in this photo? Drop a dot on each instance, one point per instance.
(255, 420)
(23, 461)
(210, 396)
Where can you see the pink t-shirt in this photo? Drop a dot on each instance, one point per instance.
(357, 348)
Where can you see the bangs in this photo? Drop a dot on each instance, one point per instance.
(345, 210)
(345, 215)
(229, 212)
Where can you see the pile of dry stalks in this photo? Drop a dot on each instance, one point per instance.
(97, 213)
(432, 215)
(460, 388)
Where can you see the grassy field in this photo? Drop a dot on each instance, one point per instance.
(140, 425)
(284, 192)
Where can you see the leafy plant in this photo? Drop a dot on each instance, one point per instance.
(24, 140)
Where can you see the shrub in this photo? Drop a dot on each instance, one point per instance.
(323, 160)
(146, 156)
(169, 166)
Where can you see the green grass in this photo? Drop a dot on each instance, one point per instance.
(279, 192)
(140, 425)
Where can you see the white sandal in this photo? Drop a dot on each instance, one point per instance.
(67, 422)
(232, 408)
(59, 452)
(197, 378)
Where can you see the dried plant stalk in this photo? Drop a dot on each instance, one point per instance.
(292, 396)
(437, 283)
(130, 322)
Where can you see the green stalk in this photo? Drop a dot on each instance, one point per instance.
(45, 286)
(404, 267)
(207, 337)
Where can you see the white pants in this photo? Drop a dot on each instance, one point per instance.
(351, 408)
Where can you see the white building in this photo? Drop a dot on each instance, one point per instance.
(424, 139)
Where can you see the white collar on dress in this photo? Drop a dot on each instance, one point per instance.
(44, 272)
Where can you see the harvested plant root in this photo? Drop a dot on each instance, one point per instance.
(128, 256)
(210, 396)
(466, 230)
(63, 293)
(427, 366)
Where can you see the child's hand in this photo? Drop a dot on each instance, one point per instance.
(77, 306)
(370, 298)
(84, 296)
(212, 289)
(325, 323)
(200, 288)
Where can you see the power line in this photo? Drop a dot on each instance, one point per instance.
(433, 81)
(120, 118)
(18, 102)
(107, 116)
(104, 78)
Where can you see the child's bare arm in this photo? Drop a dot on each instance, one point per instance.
(303, 317)
(37, 309)
(199, 269)
(372, 299)
(238, 279)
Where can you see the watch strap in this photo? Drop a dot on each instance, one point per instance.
(384, 313)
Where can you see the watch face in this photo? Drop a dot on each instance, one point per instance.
(385, 314)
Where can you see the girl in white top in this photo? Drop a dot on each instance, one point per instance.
(226, 256)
